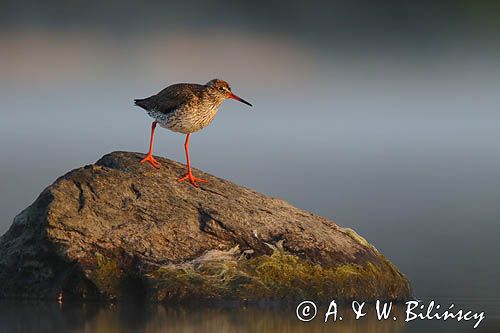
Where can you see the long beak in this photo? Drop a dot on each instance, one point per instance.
(233, 96)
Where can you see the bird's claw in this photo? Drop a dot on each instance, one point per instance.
(149, 158)
(192, 179)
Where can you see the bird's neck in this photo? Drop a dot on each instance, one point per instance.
(212, 100)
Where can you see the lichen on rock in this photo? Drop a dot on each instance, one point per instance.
(108, 275)
(279, 276)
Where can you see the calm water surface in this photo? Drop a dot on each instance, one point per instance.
(51, 317)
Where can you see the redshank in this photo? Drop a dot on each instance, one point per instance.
(185, 108)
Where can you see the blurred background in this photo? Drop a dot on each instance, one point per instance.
(381, 115)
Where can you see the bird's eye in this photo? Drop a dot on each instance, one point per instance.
(221, 88)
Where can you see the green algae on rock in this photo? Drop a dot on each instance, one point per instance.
(279, 276)
(108, 275)
(120, 229)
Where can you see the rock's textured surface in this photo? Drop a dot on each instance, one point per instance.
(120, 229)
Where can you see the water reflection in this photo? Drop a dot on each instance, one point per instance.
(16, 316)
(31, 316)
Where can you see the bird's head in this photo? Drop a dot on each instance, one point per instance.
(222, 90)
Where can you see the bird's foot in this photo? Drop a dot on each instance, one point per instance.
(151, 160)
(192, 179)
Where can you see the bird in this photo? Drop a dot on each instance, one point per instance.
(185, 108)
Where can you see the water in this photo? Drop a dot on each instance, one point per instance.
(398, 141)
(16, 316)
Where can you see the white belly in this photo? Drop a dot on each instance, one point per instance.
(184, 120)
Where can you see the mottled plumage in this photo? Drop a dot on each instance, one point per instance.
(185, 108)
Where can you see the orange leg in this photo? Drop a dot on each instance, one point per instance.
(189, 176)
(149, 158)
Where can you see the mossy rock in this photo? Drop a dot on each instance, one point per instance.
(279, 276)
(119, 228)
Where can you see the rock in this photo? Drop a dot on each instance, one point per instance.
(119, 229)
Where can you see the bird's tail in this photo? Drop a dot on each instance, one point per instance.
(141, 102)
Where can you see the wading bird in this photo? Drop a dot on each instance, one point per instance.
(185, 108)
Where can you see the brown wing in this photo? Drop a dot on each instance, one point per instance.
(170, 98)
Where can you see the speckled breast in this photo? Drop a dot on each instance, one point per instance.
(185, 120)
